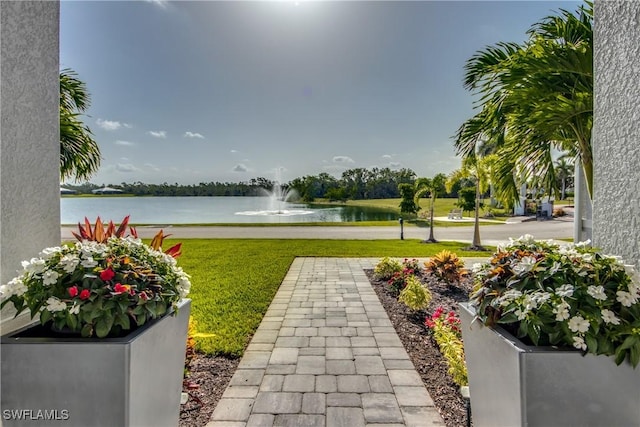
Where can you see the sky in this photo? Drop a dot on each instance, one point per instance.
(201, 91)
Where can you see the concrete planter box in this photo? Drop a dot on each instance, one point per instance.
(131, 381)
(512, 384)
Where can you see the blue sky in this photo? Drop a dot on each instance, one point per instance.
(204, 91)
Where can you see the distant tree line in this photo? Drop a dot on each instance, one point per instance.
(353, 184)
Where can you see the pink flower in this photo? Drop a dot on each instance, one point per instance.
(85, 294)
(73, 291)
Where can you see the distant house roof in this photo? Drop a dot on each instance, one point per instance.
(66, 191)
(106, 190)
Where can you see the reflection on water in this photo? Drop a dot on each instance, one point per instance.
(195, 210)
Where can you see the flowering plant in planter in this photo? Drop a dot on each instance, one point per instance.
(570, 295)
(103, 285)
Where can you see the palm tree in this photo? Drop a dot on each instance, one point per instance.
(534, 98)
(480, 170)
(564, 170)
(434, 187)
(79, 153)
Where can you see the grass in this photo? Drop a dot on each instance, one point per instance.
(234, 280)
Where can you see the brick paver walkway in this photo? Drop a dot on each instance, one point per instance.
(326, 355)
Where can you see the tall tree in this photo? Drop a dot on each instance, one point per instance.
(79, 152)
(564, 171)
(534, 98)
(434, 186)
(407, 203)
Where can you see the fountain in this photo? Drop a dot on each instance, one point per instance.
(279, 201)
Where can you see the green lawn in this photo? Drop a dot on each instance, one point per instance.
(234, 280)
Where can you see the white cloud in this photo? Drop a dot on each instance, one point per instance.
(188, 134)
(394, 165)
(342, 159)
(124, 143)
(111, 124)
(126, 168)
(387, 156)
(158, 133)
(240, 168)
(234, 151)
(125, 159)
(152, 167)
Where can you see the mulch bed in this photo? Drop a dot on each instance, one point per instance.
(210, 375)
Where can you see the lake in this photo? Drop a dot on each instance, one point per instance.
(193, 210)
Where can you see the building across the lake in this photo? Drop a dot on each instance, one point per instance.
(106, 190)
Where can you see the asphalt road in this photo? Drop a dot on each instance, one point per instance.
(490, 234)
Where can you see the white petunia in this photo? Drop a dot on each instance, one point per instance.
(597, 292)
(89, 262)
(49, 252)
(50, 277)
(609, 317)
(578, 324)
(54, 304)
(565, 291)
(625, 298)
(525, 265)
(583, 244)
(69, 263)
(75, 309)
(35, 266)
(562, 311)
(540, 297)
(578, 342)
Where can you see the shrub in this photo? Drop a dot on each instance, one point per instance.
(386, 268)
(446, 266)
(411, 264)
(446, 331)
(414, 295)
(570, 295)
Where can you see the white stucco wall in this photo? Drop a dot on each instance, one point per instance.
(29, 134)
(616, 131)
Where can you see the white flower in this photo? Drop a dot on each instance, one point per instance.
(583, 244)
(587, 257)
(625, 298)
(75, 309)
(49, 252)
(15, 287)
(578, 342)
(508, 297)
(609, 317)
(50, 277)
(69, 263)
(565, 290)
(89, 262)
(541, 297)
(521, 313)
(525, 265)
(597, 292)
(562, 311)
(578, 324)
(54, 304)
(477, 267)
(35, 266)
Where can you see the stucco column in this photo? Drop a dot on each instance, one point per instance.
(29, 135)
(616, 130)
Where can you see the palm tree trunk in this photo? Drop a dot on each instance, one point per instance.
(476, 227)
(431, 238)
(564, 185)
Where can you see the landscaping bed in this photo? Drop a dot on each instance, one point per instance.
(422, 348)
(210, 374)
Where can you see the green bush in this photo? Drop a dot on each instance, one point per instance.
(414, 295)
(386, 268)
